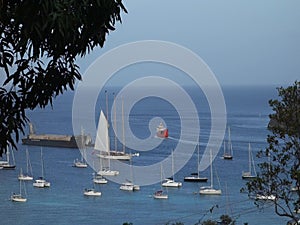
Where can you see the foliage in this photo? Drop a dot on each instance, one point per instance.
(39, 43)
(226, 220)
(281, 171)
(209, 222)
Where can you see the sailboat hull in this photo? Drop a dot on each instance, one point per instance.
(8, 167)
(116, 156)
(248, 175)
(18, 198)
(25, 178)
(171, 183)
(195, 179)
(210, 191)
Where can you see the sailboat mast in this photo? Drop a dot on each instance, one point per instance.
(172, 165)
(42, 162)
(123, 126)
(198, 158)
(229, 141)
(249, 149)
(115, 120)
(211, 171)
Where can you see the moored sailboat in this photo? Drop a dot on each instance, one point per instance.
(210, 190)
(248, 174)
(7, 165)
(41, 182)
(170, 182)
(228, 152)
(195, 177)
(19, 197)
(28, 176)
(102, 144)
(160, 193)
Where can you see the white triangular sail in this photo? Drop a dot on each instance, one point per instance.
(102, 139)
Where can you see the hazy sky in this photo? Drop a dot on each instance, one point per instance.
(244, 42)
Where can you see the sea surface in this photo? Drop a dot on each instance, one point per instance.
(64, 203)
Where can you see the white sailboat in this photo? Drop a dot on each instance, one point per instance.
(266, 196)
(248, 174)
(28, 176)
(102, 144)
(81, 163)
(7, 165)
(210, 190)
(115, 154)
(171, 182)
(98, 179)
(19, 197)
(41, 182)
(91, 192)
(196, 177)
(129, 185)
(160, 193)
(228, 152)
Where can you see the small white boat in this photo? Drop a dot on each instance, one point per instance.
(294, 189)
(269, 197)
(210, 190)
(7, 165)
(171, 182)
(24, 177)
(160, 195)
(228, 152)
(99, 180)
(18, 197)
(107, 172)
(80, 164)
(248, 174)
(91, 192)
(129, 186)
(41, 182)
(28, 175)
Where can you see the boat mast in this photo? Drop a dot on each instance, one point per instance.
(211, 171)
(172, 165)
(123, 126)
(249, 149)
(229, 142)
(42, 163)
(115, 121)
(198, 158)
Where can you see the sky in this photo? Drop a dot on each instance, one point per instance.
(243, 42)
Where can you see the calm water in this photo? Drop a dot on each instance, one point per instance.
(64, 203)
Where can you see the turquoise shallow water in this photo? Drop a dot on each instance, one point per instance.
(63, 203)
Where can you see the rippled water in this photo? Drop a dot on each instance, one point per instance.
(64, 203)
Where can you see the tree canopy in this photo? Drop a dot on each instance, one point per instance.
(280, 173)
(39, 43)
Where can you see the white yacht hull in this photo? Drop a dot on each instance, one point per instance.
(210, 191)
(171, 183)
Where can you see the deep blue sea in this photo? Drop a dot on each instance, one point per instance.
(63, 203)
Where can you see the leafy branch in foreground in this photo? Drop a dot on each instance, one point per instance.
(39, 44)
(279, 177)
